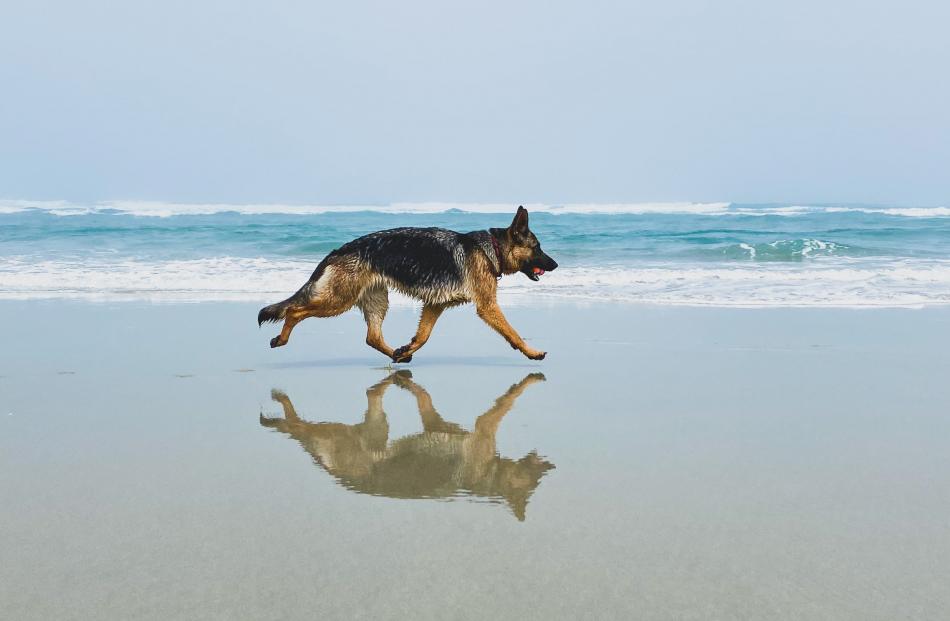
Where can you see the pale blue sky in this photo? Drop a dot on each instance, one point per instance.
(355, 102)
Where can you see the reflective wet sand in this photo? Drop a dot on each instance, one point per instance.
(161, 462)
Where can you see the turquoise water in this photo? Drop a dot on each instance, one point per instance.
(717, 254)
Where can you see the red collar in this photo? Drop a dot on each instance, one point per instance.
(494, 244)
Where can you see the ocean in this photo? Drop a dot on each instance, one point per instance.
(694, 254)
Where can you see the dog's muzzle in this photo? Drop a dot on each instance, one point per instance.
(538, 268)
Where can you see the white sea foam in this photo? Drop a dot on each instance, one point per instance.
(899, 283)
(165, 209)
(907, 212)
(748, 248)
(17, 206)
(226, 278)
(801, 210)
(806, 247)
(791, 210)
(902, 283)
(639, 208)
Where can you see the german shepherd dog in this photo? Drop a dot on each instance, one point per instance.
(441, 268)
(444, 461)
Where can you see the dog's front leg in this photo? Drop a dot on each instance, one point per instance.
(430, 314)
(491, 314)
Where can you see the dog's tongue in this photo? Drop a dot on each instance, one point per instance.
(538, 271)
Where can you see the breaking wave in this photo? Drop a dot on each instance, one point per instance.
(165, 209)
(786, 250)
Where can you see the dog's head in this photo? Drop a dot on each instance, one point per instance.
(524, 250)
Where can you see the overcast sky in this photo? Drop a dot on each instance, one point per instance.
(356, 102)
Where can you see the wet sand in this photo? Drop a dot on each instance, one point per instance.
(160, 462)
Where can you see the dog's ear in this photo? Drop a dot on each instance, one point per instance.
(519, 226)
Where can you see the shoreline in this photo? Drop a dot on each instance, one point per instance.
(401, 302)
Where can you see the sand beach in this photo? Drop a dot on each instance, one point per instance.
(661, 463)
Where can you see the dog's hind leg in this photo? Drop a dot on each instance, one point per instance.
(374, 302)
(335, 293)
(430, 314)
(291, 319)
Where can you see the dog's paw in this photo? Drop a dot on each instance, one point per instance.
(275, 342)
(401, 354)
(537, 355)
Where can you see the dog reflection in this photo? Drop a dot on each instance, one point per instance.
(444, 461)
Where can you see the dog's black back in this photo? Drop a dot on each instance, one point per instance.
(414, 257)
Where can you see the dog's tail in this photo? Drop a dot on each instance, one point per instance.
(276, 312)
